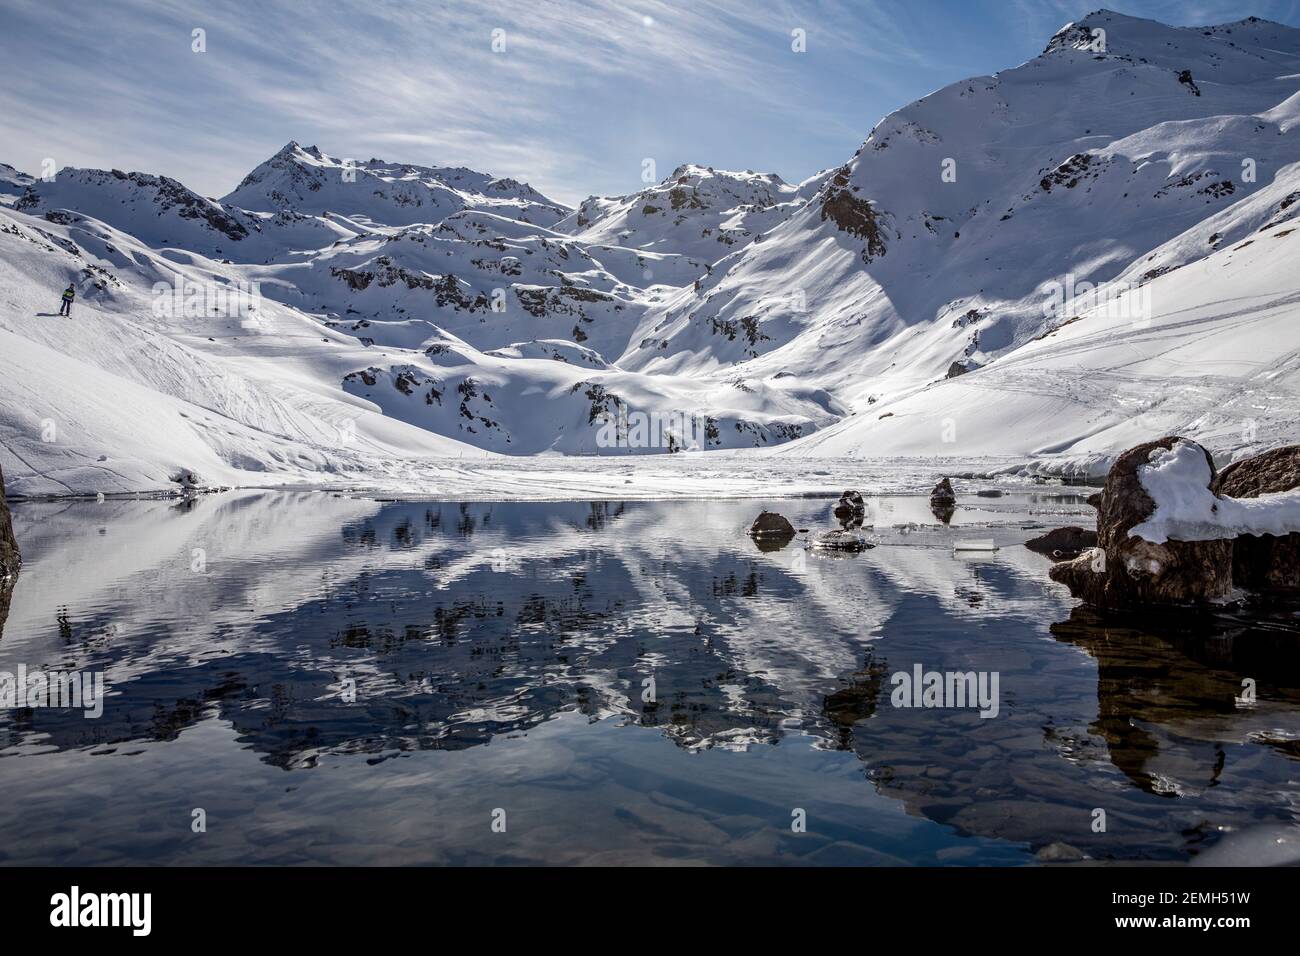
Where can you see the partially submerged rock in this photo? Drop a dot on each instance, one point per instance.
(850, 510)
(943, 493)
(771, 531)
(1126, 570)
(943, 500)
(841, 540)
(849, 505)
(1264, 562)
(1063, 543)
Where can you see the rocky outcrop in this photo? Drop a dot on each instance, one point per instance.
(1264, 562)
(771, 531)
(1063, 543)
(1127, 571)
(857, 217)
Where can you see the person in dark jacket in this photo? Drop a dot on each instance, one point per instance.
(68, 295)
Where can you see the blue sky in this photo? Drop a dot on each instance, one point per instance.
(581, 94)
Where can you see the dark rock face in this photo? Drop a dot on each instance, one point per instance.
(955, 369)
(857, 217)
(1063, 543)
(10, 557)
(771, 531)
(1265, 562)
(1124, 571)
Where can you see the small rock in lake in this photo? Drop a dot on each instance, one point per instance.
(771, 531)
(841, 541)
(1063, 543)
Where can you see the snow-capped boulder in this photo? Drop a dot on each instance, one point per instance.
(1264, 561)
(1150, 550)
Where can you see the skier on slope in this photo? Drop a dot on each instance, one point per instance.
(68, 295)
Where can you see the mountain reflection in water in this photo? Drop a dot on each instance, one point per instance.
(345, 640)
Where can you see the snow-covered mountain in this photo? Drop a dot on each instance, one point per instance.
(1049, 263)
(700, 211)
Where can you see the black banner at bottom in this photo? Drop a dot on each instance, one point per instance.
(336, 906)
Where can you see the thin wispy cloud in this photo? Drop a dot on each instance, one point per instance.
(581, 93)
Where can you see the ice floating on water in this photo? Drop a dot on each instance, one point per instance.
(978, 544)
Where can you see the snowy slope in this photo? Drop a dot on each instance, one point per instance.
(1218, 361)
(1072, 166)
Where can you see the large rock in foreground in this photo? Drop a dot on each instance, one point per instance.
(1264, 562)
(1129, 571)
(10, 557)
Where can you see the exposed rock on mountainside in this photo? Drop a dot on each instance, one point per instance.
(853, 215)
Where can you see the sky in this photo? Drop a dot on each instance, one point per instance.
(575, 97)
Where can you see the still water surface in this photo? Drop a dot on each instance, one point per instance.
(500, 655)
